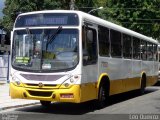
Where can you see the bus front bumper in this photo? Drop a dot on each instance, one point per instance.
(71, 94)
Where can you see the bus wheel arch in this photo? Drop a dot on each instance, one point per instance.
(103, 91)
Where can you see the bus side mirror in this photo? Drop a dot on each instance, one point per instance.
(90, 36)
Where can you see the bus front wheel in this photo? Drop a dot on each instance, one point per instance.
(102, 96)
(45, 103)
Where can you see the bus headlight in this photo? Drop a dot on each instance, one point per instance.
(69, 82)
(16, 81)
(72, 80)
(66, 84)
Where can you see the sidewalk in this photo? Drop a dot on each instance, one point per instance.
(6, 102)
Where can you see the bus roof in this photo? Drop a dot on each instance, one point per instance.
(98, 21)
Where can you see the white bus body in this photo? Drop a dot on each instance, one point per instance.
(92, 71)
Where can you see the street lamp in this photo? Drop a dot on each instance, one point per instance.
(95, 9)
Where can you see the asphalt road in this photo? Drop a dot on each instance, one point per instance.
(121, 107)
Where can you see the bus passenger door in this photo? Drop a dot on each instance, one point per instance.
(90, 64)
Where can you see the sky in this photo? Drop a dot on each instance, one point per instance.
(1, 7)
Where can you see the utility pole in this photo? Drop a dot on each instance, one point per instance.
(72, 5)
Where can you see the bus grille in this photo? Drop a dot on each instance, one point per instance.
(39, 93)
(37, 86)
(41, 77)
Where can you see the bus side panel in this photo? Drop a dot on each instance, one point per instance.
(88, 82)
(147, 67)
(151, 71)
(156, 69)
(154, 76)
(124, 74)
(88, 92)
(115, 70)
(134, 72)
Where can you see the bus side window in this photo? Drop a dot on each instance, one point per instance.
(116, 44)
(127, 46)
(143, 50)
(89, 45)
(104, 43)
(150, 51)
(155, 54)
(136, 48)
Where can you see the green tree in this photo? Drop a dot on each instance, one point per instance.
(12, 7)
(139, 15)
(142, 16)
(84, 5)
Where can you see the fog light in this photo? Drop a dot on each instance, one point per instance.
(24, 94)
(53, 96)
(69, 95)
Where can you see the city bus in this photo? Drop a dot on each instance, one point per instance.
(72, 56)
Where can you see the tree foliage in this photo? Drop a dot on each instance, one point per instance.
(139, 15)
(142, 16)
(12, 7)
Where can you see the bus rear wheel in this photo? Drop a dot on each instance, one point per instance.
(45, 103)
(143, 85)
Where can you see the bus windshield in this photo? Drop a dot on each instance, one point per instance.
(45, 49)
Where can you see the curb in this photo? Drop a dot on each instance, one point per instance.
(3, 82)
(17, 106)
(9, 106)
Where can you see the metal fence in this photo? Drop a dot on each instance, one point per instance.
(4, 68)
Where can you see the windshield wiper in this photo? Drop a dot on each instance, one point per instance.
(53, 36)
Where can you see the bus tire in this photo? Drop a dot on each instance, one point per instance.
(102, 96)
(143, 85)
(45, 103)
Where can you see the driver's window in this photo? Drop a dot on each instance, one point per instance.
(89, 45)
